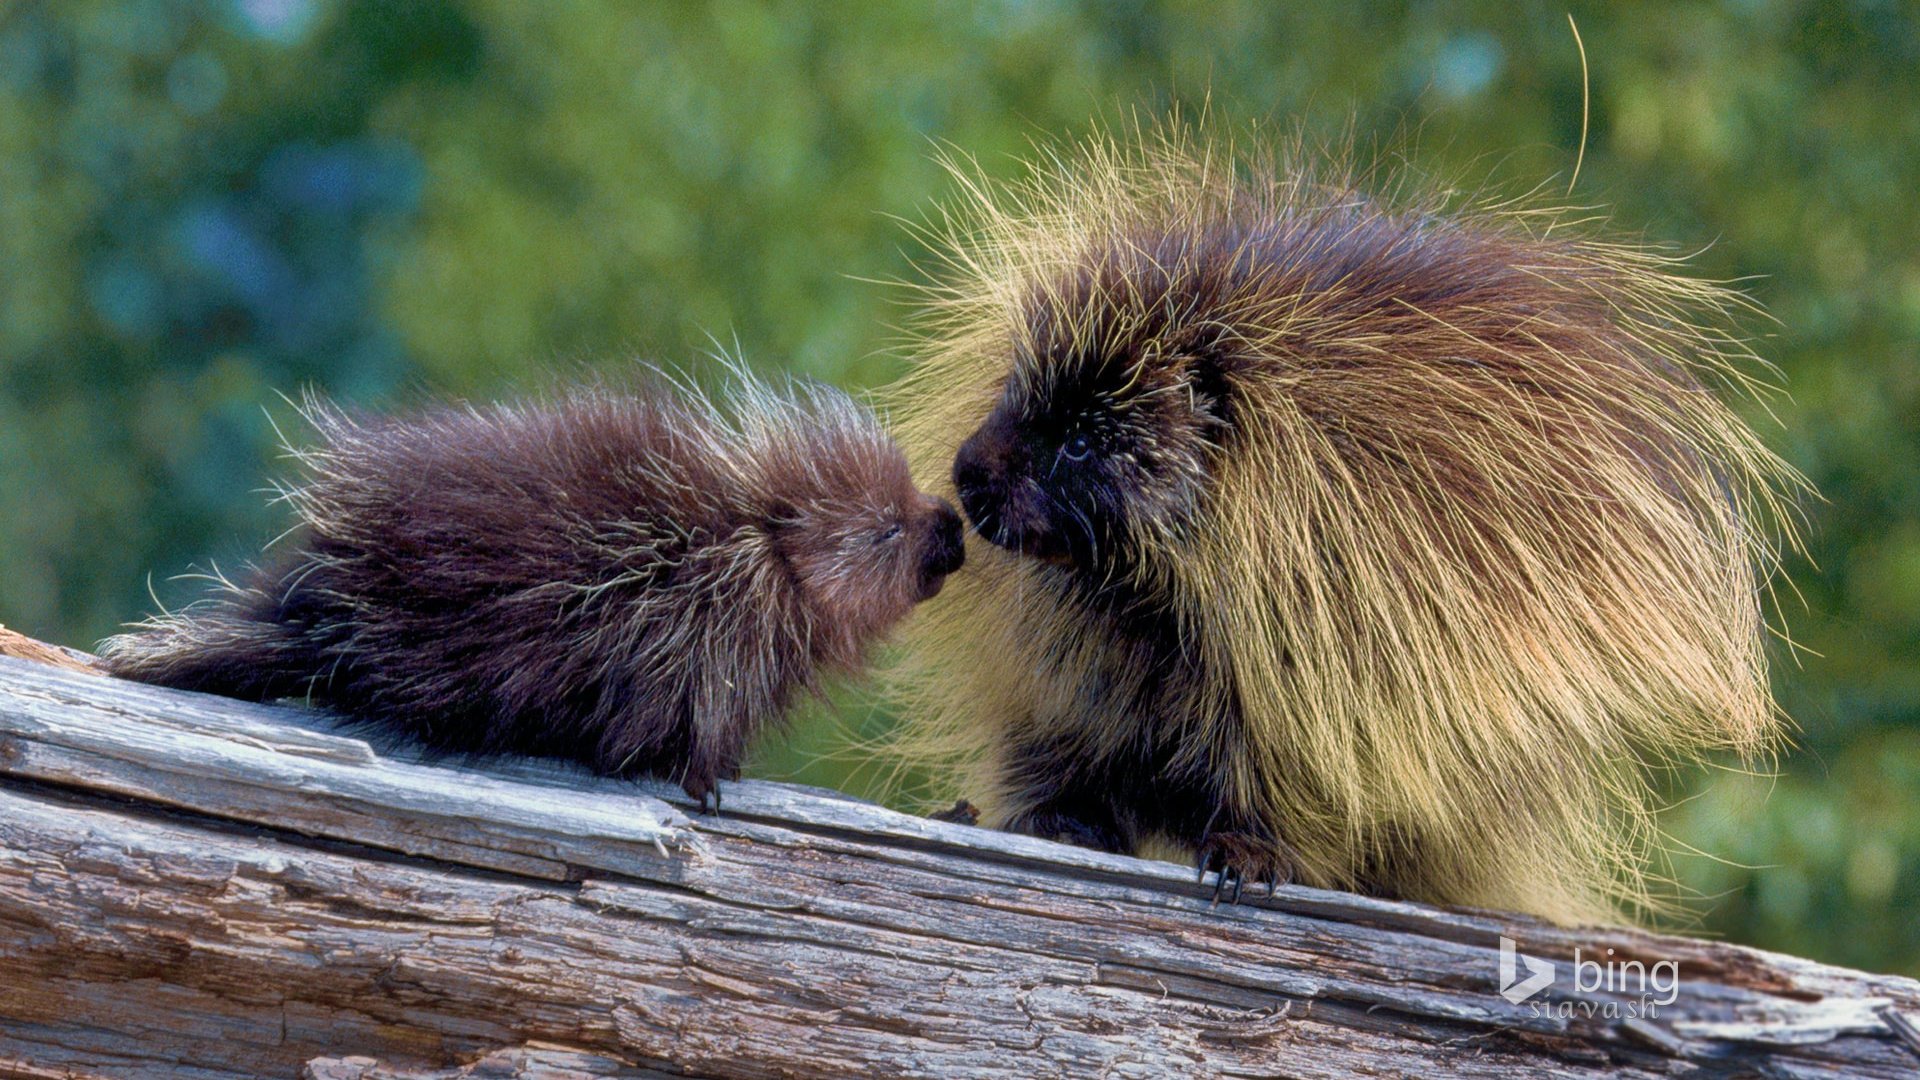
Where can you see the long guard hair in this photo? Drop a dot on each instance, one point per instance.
(1420, 533)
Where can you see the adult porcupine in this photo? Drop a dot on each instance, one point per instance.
(638, 581)
(1369, 541)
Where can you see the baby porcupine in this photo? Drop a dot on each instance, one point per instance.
(1362, 540)
(637, 581)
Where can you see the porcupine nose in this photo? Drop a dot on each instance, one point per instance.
(973, 482)
(946, 549)
(949, 540)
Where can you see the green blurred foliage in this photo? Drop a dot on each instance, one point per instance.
(205, 203)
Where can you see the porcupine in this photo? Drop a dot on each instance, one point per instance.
(640, 581)
(1366, 540)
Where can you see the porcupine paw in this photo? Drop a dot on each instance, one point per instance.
(1053, 825)
(1235, 858)
(703, 787)
(961, 813)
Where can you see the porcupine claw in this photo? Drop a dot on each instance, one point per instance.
(1237, 857)
(703, 789)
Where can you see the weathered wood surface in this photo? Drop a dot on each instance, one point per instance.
(18, 645)
(203, 888)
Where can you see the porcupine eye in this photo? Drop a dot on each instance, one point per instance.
(1077, 448)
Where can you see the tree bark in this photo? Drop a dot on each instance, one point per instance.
(204, 888)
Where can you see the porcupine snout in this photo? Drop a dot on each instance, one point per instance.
(973, 480)
(945, 548)
(992, 474)
(980, 471)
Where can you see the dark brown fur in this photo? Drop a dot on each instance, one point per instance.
(638, 582)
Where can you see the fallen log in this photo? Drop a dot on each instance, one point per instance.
(197, 887)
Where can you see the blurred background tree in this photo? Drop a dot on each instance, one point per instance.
(206, 203)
